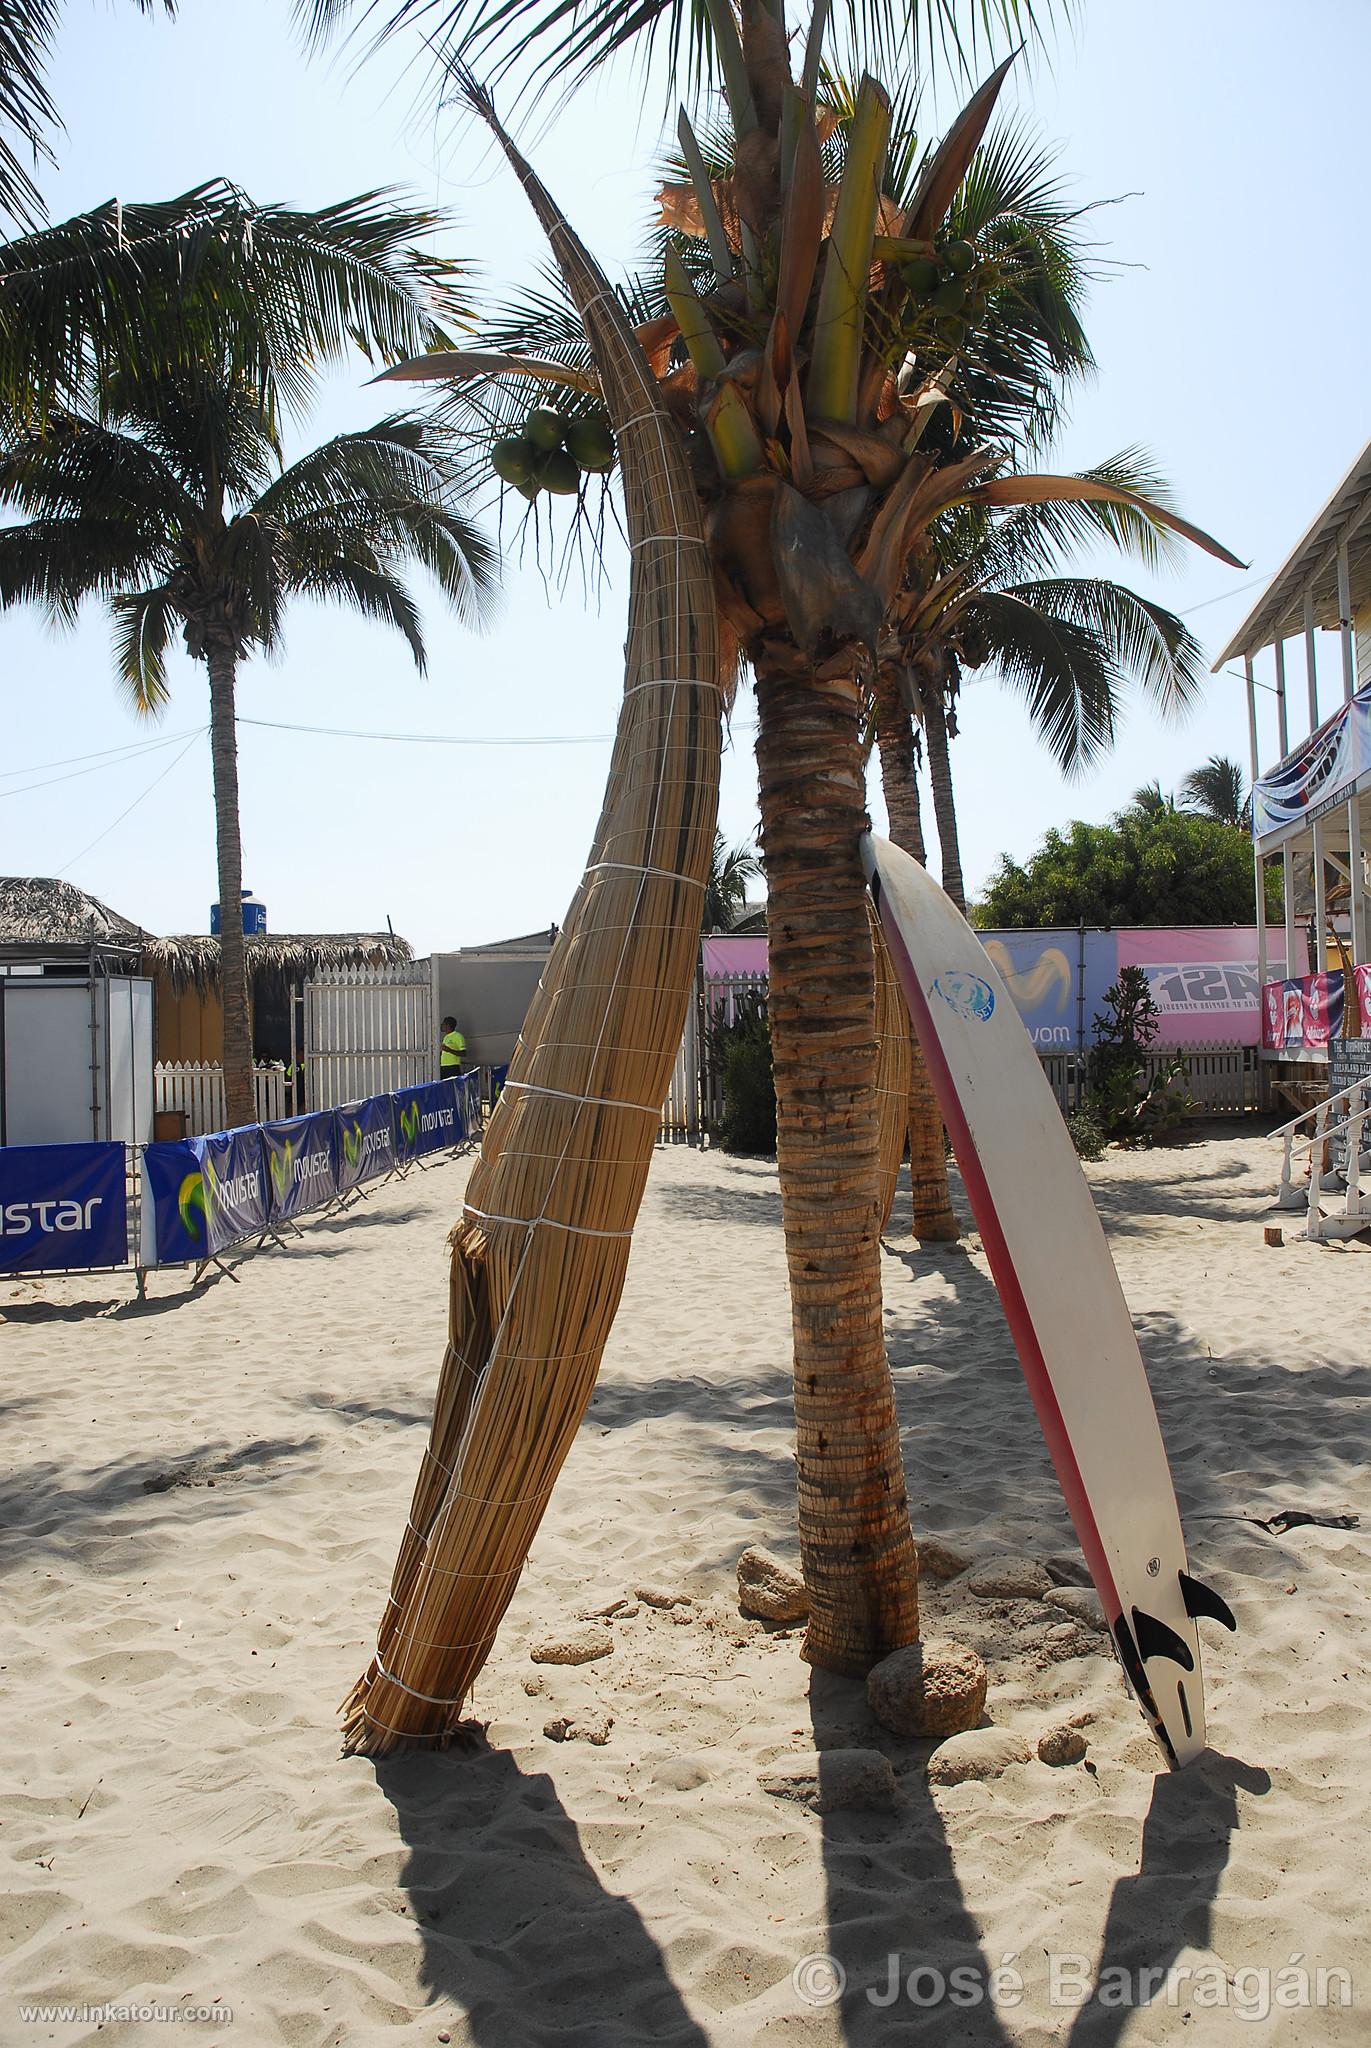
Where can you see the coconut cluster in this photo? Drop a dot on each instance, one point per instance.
(553, 451)
(941, 281)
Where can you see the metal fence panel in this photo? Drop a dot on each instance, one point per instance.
(368, 1031)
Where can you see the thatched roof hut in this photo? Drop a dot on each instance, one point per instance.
(276, 960)
(43, 919)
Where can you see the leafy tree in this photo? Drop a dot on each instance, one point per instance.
(170, 503)
(1167, 867)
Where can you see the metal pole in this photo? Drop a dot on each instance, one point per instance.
(1258, 865)
(94, 1043)
(1357, 898)
(1282, 709)
(1311, 666)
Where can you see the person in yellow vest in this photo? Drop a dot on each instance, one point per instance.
(452, 1052)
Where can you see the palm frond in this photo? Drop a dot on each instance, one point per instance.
(556, 44)
(143, 623)
(373, 591)
(277, 293)
(28, 117)
(57, 562)
(1146, 644)
(1062, 671)
(1218, 789)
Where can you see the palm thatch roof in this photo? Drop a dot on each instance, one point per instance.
(38, 912)
(192, 959)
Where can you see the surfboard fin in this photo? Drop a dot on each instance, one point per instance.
(1203, 1600)
(1155, 1639)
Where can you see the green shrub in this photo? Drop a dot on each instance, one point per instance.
(740, 1053)
(1086, 1133)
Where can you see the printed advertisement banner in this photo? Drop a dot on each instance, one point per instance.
(425, 1119)
(302, 1163)
(1205, 981)
(366, 1141)
(1302, 1015)
(234, 1167)
(1046, 973)
(175, 1229)
(1323, 770)
(62, 1208)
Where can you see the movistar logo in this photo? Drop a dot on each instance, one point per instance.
(352, 1143)
(409, 1123)
(190, 1201)
(17, 1219)
(280, 1168)
(289, 1167)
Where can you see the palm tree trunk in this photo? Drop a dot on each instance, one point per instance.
(933, 1218)
(899, 783)
(855, 1540)
(944, 806)
(240, 1105)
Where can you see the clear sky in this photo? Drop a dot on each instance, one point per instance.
(1231, 337)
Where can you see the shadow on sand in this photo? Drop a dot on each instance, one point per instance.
(519, 1933)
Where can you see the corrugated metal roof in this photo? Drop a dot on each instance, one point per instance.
(1279, 612)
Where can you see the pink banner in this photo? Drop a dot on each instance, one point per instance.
(1204, 979)
(746, 955)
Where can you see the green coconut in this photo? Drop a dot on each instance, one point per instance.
(950, 296)
(528, 490)
(513, 458)
(558, 472)
(920, 274)
(590, 441)
(544, 428)
(958, 257)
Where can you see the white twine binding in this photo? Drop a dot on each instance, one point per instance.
(532, 1223)
(628, 867)
(596, 1101)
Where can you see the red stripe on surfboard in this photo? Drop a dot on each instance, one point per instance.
(1016, 1309)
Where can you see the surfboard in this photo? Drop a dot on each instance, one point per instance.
(1061, 1295)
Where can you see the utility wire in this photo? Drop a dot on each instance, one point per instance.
(134, 805)
(148, 747)
(442, 739)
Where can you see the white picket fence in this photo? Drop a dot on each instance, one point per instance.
(196, 1090)
(368, 1031)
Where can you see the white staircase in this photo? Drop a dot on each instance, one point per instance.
(1329, 1158)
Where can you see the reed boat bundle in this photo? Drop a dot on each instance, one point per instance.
(540, 1251)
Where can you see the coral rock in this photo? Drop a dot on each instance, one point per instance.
(939, 1560)
(1011, 1578)
(980, 1753)
(770, 1589)
(1081, 1604)
(661, 1596)
(575, 1646)
(1061, 1746)
(929, 1690)
(826, 1781)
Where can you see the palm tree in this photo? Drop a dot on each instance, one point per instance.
(27, 113)
(731, 869)
(819, 423)
(170, 502)
(1150, 800)
(1217, 790)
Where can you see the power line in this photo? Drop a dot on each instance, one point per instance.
(157, 746)
(134, 805)
(441, 739)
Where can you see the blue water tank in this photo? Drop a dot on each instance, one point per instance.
(254, 916)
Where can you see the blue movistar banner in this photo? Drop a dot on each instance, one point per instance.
(235, 1173)
(175, 1228)
(366, 1140)
(426, 1119)
(302, 1163)
(62, 1208)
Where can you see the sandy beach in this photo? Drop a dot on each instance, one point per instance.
(202, 1501)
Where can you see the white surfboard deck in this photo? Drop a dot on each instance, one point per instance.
(1057, 1283)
